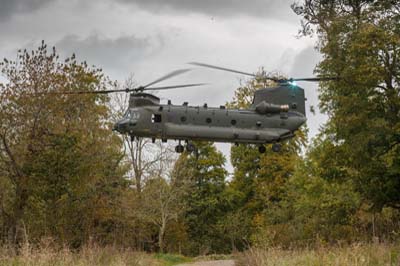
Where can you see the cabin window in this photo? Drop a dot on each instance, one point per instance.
(183, 118)
(258, 123)
(208, 120)
(233, 122)
(156, 118)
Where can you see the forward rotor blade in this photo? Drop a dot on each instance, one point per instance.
(84, 92)
(174, 87)
(168, 76)
(221, 68)
(139, 89)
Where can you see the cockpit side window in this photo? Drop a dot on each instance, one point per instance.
(127, 114)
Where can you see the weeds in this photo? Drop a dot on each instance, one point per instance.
(357, 254)
(47, 255)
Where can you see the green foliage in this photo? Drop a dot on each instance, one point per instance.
(259, 180)
(314, 210)
(360, 42)
(171, 259)
(59, 159)
(204, 170)
(161, 204)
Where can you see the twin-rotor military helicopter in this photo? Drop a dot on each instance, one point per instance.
(274, 115)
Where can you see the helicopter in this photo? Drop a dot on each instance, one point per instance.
(275, 114)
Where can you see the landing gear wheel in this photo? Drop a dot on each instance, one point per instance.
(276, 147)
(262, 149)
(179, 148)
(190, 147)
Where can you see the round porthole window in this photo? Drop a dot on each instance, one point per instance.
(233, 122)
(183, 119)
(208, 120)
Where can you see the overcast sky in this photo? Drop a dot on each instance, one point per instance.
(149, 38)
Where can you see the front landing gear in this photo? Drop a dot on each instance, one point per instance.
(276, 147)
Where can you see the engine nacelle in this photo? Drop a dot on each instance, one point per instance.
(268, 108)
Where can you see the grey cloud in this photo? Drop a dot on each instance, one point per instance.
(115, 54)
(305, 62)
(10, 7)
(259, 8)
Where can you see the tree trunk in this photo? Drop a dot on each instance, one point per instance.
(161, 237)
(18, 213)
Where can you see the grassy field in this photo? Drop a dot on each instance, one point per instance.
(171, 259)
(46, 255)
(358, 254)
(89, 256)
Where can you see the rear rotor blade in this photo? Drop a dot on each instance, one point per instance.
(221, 68)
(174, 87)
(168, 76)
(270, 78)
(314, 79)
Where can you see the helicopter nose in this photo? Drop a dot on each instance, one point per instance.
(123, 125)
(116, 127)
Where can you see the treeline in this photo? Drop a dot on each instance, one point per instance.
(65, 175)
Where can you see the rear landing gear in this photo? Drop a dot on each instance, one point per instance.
(262, 149)
(179, 148)
(190, 147)
(276, 147)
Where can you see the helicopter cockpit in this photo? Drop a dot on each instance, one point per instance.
(129, 120)
(132, 114)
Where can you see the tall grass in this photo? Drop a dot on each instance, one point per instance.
(46, 255)
(357, 254)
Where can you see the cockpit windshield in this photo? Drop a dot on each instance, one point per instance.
(132, 114)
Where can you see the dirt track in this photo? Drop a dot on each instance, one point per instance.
(211, 263)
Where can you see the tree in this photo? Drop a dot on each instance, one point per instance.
(205, 175)
(141, 154)
(259, 179)
(161, 204)
(318, 206)
(360, 41)
(59, 159)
